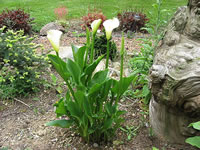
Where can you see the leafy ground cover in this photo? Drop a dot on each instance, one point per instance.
(77, 8)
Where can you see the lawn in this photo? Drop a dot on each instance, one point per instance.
(43, 10)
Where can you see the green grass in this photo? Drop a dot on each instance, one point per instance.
(43, 10)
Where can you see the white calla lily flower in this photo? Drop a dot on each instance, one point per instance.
(95, 25)
(109, 25)
(54, 38)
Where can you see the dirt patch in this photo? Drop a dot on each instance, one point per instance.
(22, 127)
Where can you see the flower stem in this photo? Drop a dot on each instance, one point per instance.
(87, 46)
(121, 67)
(107, 54)
(92, 49)
(122, 57)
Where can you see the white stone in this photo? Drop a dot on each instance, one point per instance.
(65, 52)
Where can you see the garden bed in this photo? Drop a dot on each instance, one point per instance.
(23, 125)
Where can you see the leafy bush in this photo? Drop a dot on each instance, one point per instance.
(91, 106)
(100, 47)
(194, 141)
(16, 20)
(20, 67)
(91, 17)
(132, 21)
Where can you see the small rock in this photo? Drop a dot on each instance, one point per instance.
(51, 26)
(95, 145)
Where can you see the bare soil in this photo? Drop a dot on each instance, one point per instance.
(22, 126)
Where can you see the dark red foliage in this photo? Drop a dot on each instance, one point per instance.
(16, 20)
(90, 18)
(132, 21)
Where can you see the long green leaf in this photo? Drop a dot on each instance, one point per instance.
(74, 70)
(61, 69)
(75, 110)
(60, 123)
(79, 55)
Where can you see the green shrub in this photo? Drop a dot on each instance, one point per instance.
(20, 67)
(100, 47)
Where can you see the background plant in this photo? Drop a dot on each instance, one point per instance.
(16, 20)
(142, 62)
(132, 21)
(77, 8)
(91, 16)
(194, 141)
(20, 67)
(100, 47)
(87, 107)
(61, 14)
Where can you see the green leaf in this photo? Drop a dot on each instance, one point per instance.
(108, 108)
(194, 141)
(60, 123)
(79, 55)
(121, 86)
(90, 69)
(106, 88)
(154, 148)
(74, 70)
(99, 77)
(195, 125)
(60, 66)
(60, 108)
(119, 113)
(107, 124)
(54, 79)
(94, 90)
(75, 110)
(36, 99)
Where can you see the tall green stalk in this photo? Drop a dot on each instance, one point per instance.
(87, 45)
(107, 54)
(121, 65)
(92, 49)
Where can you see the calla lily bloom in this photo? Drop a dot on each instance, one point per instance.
(109, 25)
(95, 25)
(54, 38)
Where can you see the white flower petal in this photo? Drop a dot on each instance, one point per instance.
(95, 25)
(109, 25)
(54, 38)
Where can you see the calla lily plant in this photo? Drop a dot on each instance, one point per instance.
(87, 106)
